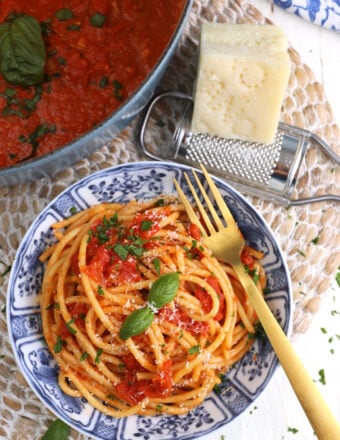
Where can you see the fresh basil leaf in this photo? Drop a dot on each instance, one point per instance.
(136, 323)
(57, 431)
(163, 290)
(22, 51)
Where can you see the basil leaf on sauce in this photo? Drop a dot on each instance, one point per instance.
(58, 430)
(64, 14)
(22, 51)
(135, 324)
(97, 20)
(163, 290)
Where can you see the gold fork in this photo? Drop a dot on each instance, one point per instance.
(226, 243)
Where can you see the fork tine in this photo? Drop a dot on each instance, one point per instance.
(227, 215)
(211, 209)
(188, 208)
(200, 207)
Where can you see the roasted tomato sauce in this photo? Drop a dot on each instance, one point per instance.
(91, 68)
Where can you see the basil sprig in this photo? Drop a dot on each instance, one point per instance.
(22, 51)
(58, 430)
(162, 291)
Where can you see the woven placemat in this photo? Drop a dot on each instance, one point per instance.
(312, 262)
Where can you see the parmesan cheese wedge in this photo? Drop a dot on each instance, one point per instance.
(243, 72)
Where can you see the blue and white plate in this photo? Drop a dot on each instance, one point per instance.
(240, 387)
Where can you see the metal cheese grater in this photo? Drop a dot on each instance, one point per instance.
(269, 171)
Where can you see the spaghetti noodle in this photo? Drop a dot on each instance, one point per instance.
(101, 271)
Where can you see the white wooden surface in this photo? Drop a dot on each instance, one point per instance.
(277, 414)
(319, 48)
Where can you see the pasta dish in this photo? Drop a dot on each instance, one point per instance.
(138, 314)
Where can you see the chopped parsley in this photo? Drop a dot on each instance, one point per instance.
(146, 225)
(253, 273)
(21, 107)
(99, 352)
(100, 290)
(322, 376)
(73, 27)
(159, 202)
(73, 210)
(337, 278)
(121, 250)
(104, 81)
(194, 349)
(259, 333)
(70, 328)
(34, 137)
(97, 20)
(117, 89)
(64, 14)
(58, 346)
(157, 265)
(101, 231)
(84, 356)
(293, 430)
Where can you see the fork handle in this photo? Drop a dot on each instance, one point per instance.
(325, 426)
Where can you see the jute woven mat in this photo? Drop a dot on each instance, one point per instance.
(312, 265)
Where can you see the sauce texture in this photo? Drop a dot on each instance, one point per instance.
(98, 52)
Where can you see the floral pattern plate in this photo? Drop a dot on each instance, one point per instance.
(240, 387)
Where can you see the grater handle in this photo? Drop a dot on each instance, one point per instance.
(326, 148)
(319, 143)
(179, 132)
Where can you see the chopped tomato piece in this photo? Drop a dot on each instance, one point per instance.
(122, 271)
(130, 392)
(195, 231)
(133, 390)
(247, 259)
(98, 265)
(161, 385)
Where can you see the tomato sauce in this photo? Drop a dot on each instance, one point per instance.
(89, 70)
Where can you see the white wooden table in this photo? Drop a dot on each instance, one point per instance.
(319, 48)
(277, 414)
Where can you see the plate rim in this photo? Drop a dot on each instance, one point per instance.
(83, 183)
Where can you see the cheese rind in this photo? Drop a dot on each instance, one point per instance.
(243, 73)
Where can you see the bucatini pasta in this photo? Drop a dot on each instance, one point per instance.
(139, 315)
